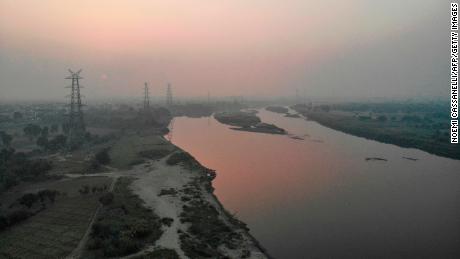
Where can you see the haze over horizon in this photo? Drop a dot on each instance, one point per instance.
(266, 48)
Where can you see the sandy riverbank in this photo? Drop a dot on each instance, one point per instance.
(181, 191)
(182, 187)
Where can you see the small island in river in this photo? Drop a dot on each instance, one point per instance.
(277, 109)
(246, 121)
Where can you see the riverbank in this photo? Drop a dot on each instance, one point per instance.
(178, 190)
(387, 131)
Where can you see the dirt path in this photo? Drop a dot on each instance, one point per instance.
(76, 253)
(150, 179)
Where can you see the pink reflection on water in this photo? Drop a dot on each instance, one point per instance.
(286, 170)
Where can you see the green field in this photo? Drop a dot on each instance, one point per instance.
(129, 148)
(56, 231)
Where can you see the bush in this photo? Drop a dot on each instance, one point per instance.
(17, 216)
(364, 118)
(106, 199)
(50, 194)
(124, 225)
(382, 118)
(179, 157)
(5, 138)
(162, 253)
(3, 222)
(140, 229)
(167, 221)
(155, 153)
(170, 191)
(39, 167)
(57, 143)
(32, 130)
(28, 199)
(84, 190)
(122, 246)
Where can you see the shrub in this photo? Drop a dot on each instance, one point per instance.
(5, 138)
(50, 194)
(28, 199)
(140, 229)
(167, 221)
(17, 216)
(39, 167)
(123, 246)
(106, 199)
(32, 130)
(123, 225)
(103, 230)
(154, 153)
(382, 118)
(57, 143)
(84, 190)
(178, 157)
(170, 191)
(162, 253)
(3, 222)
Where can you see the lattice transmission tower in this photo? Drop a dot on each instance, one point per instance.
(146, 97)
(169, 95)
(76, 123)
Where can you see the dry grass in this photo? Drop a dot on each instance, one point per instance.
(126, 152)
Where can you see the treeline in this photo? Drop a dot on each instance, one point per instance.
(17, 166)
(128, 118)
(431, 109)
(436, 143)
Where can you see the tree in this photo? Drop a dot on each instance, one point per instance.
(57, 142)
(382, 118)
(6, 139)
(32, 130)
(44, 132)
(65, 128)
(54, 128)
(325, 108)
(28, 200)
(17, 115)
(102, 157)
(42, 141)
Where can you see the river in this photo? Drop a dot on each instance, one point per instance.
(320, 198)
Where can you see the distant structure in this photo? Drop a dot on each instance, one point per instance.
(146, 97)
(169, 95)
(76, 123)
(297, 96)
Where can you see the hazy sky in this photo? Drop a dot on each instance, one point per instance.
(354, 48)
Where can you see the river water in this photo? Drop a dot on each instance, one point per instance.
(320, 198)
